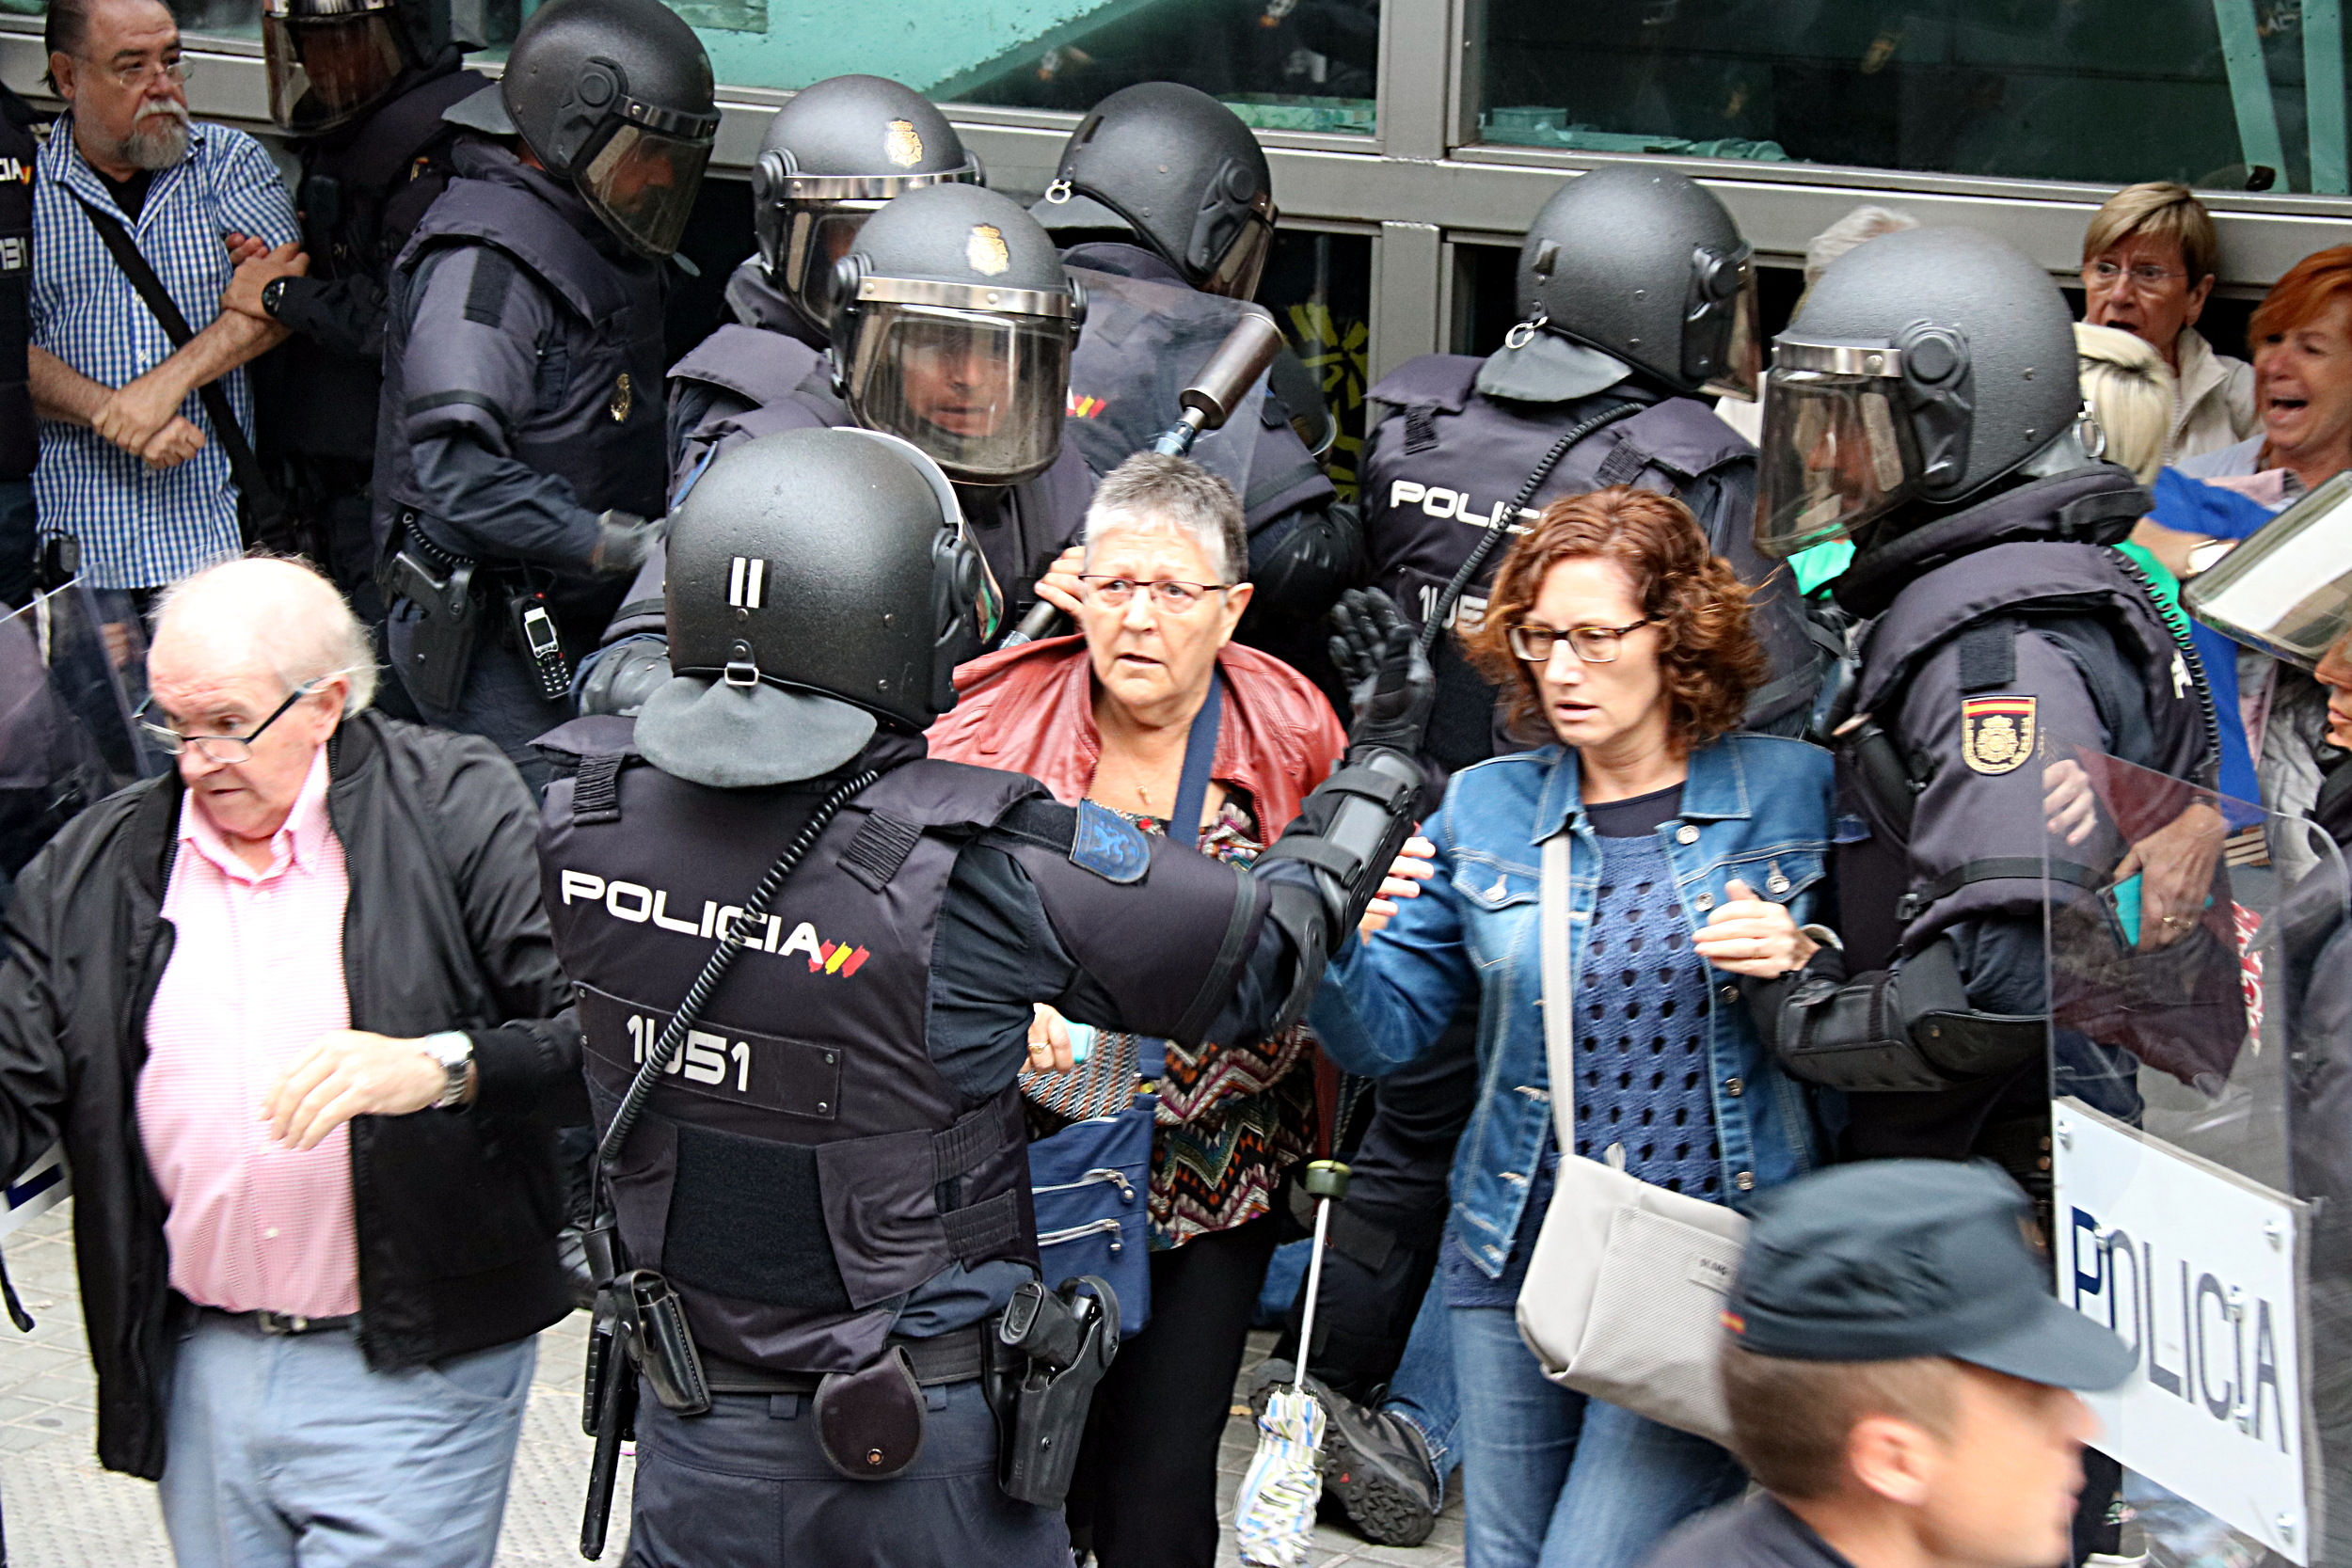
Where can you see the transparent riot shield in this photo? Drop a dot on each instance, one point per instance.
(71, 673)
(1142, 345)
(2200, 1067)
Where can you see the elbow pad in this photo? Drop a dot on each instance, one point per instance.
(1906, 1030)
(1347, 833)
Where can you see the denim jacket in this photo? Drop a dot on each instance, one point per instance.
(1756, 807)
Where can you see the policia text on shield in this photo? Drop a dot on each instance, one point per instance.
(814, 1144)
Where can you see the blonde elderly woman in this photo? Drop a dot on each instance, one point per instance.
(1107, 716)
(2148, 259)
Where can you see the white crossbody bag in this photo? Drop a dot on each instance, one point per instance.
(1625, 1292)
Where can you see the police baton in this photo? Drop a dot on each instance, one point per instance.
(1208, 403)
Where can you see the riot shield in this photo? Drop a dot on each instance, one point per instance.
(1142, 345)
(2201, 1067)
(68, 675)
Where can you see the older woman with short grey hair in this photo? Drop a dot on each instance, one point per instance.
(1153, 711)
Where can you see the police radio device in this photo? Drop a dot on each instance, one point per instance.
(2288, 589)
(1247, 350)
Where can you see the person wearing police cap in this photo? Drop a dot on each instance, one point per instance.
(951, 321)
(360, 89)
(1163, 192)
(824, 1260)
(519, 445)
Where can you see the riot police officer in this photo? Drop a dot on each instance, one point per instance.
(951, 326)
(825, 1256)
(518, 451)
(360, 89)
(1924, 405)
(1162, 191)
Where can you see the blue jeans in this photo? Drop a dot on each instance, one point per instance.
(1422, 1389)
(1553, 1479)
(287, 1449)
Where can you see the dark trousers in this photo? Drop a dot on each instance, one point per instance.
(746, 1486)
(1145, 1492)
(1385, 1233)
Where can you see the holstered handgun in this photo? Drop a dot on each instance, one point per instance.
(442, 647)
(1069, 1337)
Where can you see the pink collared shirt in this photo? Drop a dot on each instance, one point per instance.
(256, 977)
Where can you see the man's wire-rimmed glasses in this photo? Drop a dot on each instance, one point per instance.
(228, 750)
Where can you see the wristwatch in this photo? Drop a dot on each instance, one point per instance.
(273, 293)
(455, 1052)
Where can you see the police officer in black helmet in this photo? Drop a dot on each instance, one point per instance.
(1925, 404)
(360, 88)
(825, 1256)
(950, 321)
(1162, 187)
(831, 157)
(519, 448)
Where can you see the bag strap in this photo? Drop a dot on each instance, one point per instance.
(1184, 823)
(1559, 999)
(159, 302)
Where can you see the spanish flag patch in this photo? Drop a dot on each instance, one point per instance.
(1995, 733)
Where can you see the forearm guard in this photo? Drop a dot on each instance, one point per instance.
(1909, 1029)
(1347, 833)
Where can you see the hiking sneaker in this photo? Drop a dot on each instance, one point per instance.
(1375, 1465)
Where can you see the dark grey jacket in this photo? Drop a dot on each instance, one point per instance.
(456, 1212)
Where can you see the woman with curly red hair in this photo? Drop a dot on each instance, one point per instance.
(1696, 855)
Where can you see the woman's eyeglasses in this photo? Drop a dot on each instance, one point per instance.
(2145, 276)
(1593, 645)
(228, 750)
(1166, 595)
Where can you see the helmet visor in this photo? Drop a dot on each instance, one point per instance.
(1244, 262)
(325, 70)
(814, 237)
(982, 394)
(1743, 353)
(2287, 590)
(642, 184)
(1836, 454)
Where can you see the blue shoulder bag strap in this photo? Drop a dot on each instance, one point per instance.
(1192, 790)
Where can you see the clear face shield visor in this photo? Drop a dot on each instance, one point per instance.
(642, 182)
(980, 391)
(816, 223)
(1741, 370)
(2288, 589)
(1244, 262)
(1838, 448)
(328, 63)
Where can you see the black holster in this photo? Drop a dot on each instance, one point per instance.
(1068, 1338)
(663, 1346)
(1909, 1030)
(442, 587)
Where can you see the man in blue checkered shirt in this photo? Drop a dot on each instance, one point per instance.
(131, 464)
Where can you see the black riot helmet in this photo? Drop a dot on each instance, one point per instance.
(1645, 267)
(332, 61)
(954, 319)
(1925, 365)
(614, 96)
(821, 584)
(1178, 171)
(832, 157)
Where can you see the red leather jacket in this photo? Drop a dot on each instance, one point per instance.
(1030, 709)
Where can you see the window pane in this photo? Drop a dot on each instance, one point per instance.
(1319, 287)
(1283, 65)
(2101, 90)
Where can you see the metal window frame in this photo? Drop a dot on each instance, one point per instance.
(1424, 186)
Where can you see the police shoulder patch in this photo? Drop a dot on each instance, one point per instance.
(1996, 733)
(1108, 844)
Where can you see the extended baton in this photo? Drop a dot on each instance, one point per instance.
(1208, 403)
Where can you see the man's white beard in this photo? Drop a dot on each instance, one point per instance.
(160, 140)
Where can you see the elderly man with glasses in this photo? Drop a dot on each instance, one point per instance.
(294, 1011)
(136, 459)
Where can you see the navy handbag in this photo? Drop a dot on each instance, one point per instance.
(1090, 1184)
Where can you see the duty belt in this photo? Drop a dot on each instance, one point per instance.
(959, 1356)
